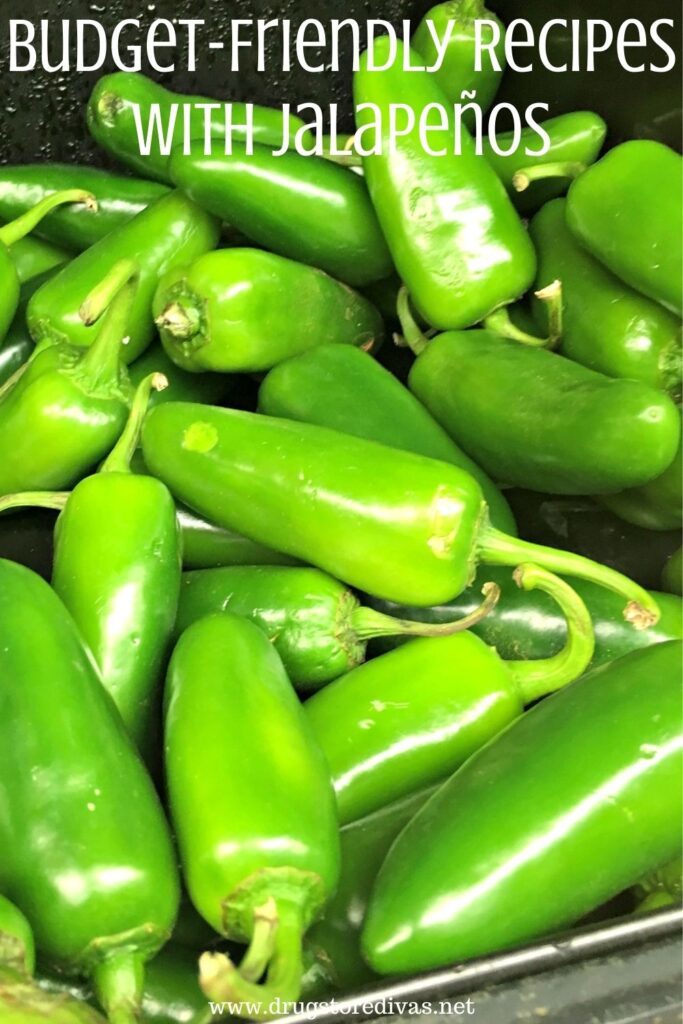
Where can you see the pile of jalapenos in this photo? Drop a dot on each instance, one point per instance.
(326, 682)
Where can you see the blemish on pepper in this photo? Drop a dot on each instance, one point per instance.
(200, 437)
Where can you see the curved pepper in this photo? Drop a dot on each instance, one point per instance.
(17, 946)
(254, 816)
(119, 199)
(231, 310)
(305, 208)
(411, 717)
(452, 231)
(577, 799)
(120, 585)
(538, 420)
(456, 76)
(12, 233)
(63, 410)
(316, 624)
(347, 390)
(111, 120)
(405, 527)
(658, 504)
(575, 140)
(606, 325)
(84, 848)
(627, 210)
(171, 232)
(523, 626)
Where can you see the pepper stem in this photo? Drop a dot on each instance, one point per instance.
(222, 981)
(369, 624)
(536, 678)
(34, 499)
(180, 321)
(113, 296)
(118, 984)
(23, 225)
(496, 548)
(415, 338)
(119, 458)
(501, 322)
(522, 178)
(262, 945)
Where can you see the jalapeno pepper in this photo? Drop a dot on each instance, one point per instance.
(409, 718)
(17, 345)
(302, 207)
(538, 420)
(85, 851)
(658, 504)
(575, 141)
(404, 527)
(576, 800)
(523, 625)
(33, 257)
(120, 585)
(17, 946)
(207, 546)
(456, 22)
(64, 409)
(212, 388)
(11, 233)
(316, 624)
(364, 845)
(255, 817)
(452, 231)
(172, 231)
(347, 390)
(231, 310)
(119, 199)
(606, 325)
(112, 123)
(672, 574)
(627, 210)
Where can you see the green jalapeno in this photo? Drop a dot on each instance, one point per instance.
(32, 257)
(455, 24)
(627, 210)
(170, 232)
(577, 800)
(12, 233)
(231, 310)
(454, 236)
(63, 410)
(606, 325)
(17, 345)
(212, 388)
(405, 527)
(409, 718)
(346, 389)
(119, 199)
(85, 851)
(116, 98)
(538, 420)
(316, 624)
(524, 625)
(255, 817)
(305, 208)
(120, 585)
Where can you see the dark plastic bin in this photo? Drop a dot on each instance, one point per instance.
(619, 971)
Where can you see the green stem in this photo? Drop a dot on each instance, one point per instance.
(496, 548)
(415, 338)
(13, 379)
(369, 624)
(545, 675)
(16, 229)
(262, 945)
(522, 178)
(34, 499)
(119, 458)
(500, 322)
(222, 981)
(180, 320)
(118, 984)
(115, 293)
(348, 158)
